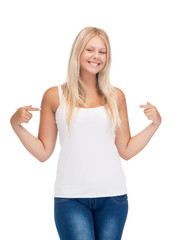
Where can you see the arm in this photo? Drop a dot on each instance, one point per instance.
(40, 147)
(31, 143)
(139, 141)
(129, 146)
(123, 135)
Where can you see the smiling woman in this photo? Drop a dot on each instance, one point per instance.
(90, 192)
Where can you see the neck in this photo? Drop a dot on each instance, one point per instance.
(89, 81)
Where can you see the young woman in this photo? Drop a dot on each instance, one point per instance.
(90, 193)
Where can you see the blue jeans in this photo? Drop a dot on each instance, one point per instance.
(101, 218)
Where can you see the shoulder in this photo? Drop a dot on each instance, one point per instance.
(121, 100)
(50, 93)
(51, 90)
(120, 93)
(51, 97)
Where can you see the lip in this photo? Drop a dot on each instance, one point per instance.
(94, 63)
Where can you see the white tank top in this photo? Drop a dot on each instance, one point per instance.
(89, 164)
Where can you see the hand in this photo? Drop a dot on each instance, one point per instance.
(22, 115)
(152, 113)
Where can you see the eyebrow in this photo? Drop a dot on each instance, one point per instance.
(93, 47)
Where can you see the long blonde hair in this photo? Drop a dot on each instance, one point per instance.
(73, 88)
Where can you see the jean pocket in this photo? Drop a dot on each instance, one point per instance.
(120, 199)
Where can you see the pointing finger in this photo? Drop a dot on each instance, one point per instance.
(29, 108)
(145, 106)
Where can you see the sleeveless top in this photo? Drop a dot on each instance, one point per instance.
(89, 164)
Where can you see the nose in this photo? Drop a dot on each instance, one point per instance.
(95, 55)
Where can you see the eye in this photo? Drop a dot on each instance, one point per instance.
(91, 50)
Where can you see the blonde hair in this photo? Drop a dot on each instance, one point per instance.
(73, 88)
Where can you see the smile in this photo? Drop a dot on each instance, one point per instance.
(93, 63)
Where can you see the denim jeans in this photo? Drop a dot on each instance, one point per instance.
(101, 218)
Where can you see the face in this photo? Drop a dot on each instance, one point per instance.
(93, 57)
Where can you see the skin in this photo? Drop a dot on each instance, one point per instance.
(43, 146)
(94, 51)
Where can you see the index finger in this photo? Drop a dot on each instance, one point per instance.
(32, 108)
(145, 106)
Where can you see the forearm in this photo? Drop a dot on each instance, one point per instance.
(31, 143)
(139, 141)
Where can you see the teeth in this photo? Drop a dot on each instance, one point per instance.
(94, 64)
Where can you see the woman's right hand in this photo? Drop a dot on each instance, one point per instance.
(22, 115)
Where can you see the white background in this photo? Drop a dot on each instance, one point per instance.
(36, 38)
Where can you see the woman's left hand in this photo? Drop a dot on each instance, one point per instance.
(152, 113)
